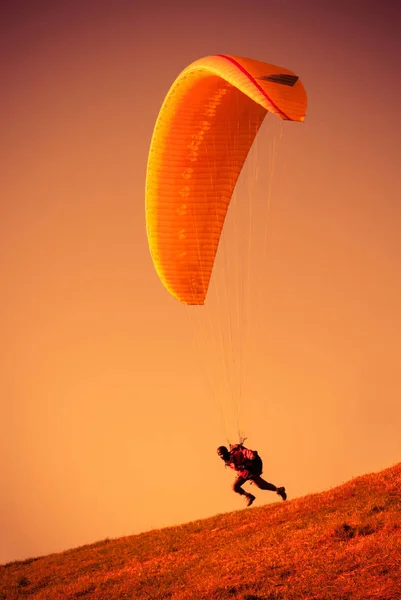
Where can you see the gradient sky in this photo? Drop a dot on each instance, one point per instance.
(107, 423)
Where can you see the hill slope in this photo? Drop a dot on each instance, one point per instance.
(341, 544)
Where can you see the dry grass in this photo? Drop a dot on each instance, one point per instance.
(343, 544)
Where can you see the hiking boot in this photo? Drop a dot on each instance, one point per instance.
(249, 499)
(281, 492)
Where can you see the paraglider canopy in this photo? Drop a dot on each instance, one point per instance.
(204, 131)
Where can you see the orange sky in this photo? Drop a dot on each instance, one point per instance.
(108, 427)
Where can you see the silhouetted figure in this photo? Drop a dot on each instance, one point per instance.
(248, 464)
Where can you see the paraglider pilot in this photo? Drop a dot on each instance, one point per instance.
(248, 464)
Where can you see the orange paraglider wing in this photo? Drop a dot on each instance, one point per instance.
(203, 133)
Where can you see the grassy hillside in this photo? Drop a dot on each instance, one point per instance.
(341, 544)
